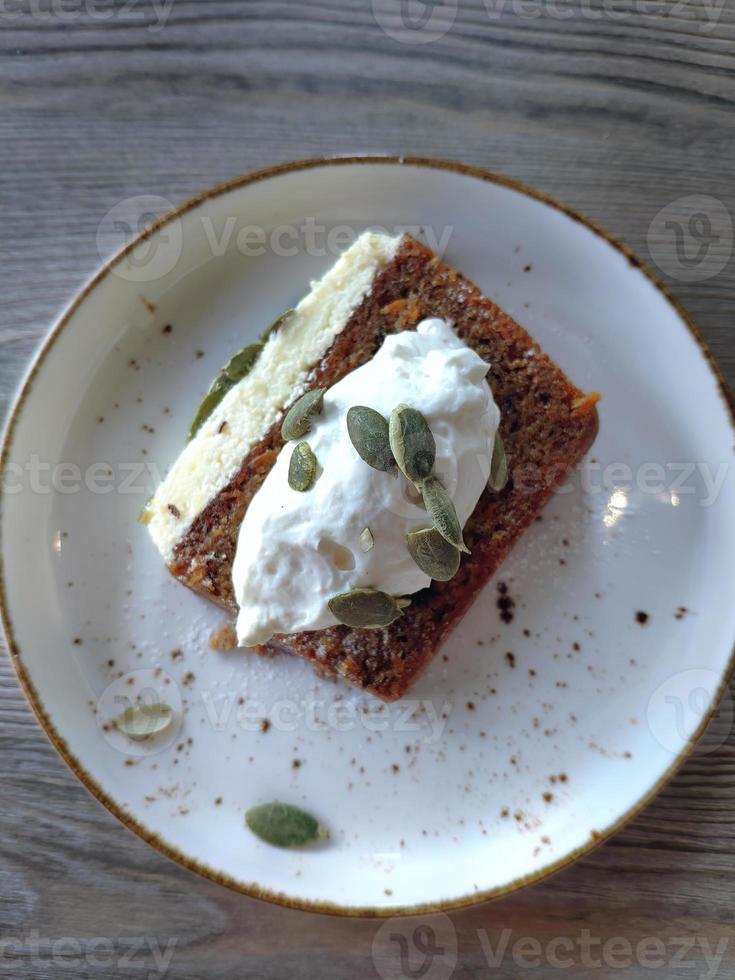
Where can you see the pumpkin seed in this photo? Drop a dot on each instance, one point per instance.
(442, 512)
(284, 825)
(298, 418)
(498, 466)
(433, 554)
(369, 434)
(302, 468)
(235, 370)
(275, 326)
(242, 363)
(141, 721)
(367, 608)
(412, 443)
(211, 400)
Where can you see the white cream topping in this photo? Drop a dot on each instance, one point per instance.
(298, 549)
(212, 458)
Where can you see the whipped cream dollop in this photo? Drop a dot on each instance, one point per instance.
(296, 550)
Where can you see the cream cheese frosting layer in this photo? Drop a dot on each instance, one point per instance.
(296, 550)
(212, 458)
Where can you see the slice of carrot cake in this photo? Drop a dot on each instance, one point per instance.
(353, 481)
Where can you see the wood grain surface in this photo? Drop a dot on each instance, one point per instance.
(618, 107)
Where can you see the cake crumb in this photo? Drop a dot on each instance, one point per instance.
(224, 638)
(505, 603)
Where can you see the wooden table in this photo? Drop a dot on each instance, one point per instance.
(616, 107)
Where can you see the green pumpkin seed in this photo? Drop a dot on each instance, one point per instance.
(498, 466)
(141, 721)
(298, 418)
(242, 363)
(302, 468)
(367, 608)
(366, 539)
(369, 434)
(442, 512)
(412, 443)
(433, 554)
(284, 825)
(275, 326)
(235, 370)
(211, 400)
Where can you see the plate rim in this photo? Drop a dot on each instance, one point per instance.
(253, 890)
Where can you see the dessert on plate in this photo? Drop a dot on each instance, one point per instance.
(352, 481)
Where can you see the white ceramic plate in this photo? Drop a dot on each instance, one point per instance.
(528, 740)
